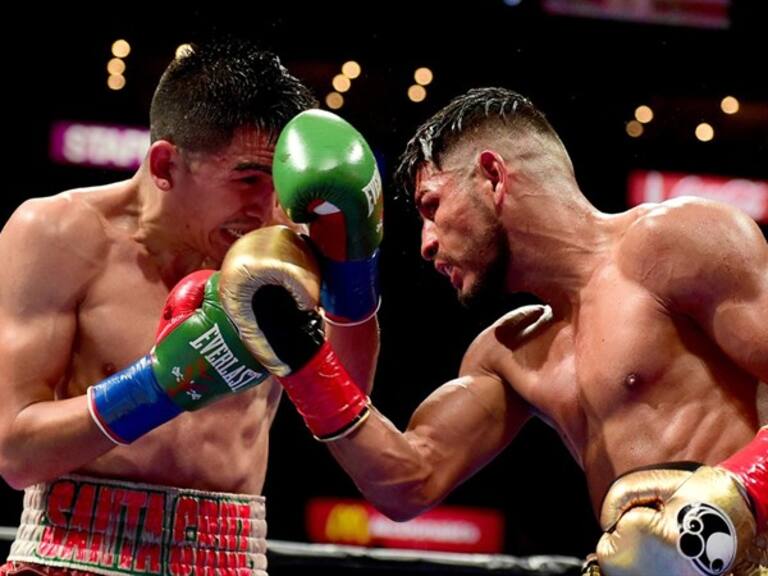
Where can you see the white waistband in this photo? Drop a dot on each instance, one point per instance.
(116, 527)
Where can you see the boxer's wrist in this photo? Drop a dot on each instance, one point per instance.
(270, 287)
(130, 403)
(326, 175)
(749, 466)
(198, 359)
(325, 395)
(350, 291)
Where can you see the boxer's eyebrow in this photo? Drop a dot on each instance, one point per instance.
(258, 166)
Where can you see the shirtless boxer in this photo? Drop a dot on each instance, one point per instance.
(650, 352)
(122, 472)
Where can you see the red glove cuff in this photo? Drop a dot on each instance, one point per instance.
(750, 465)
(185, 298)
(325, 395)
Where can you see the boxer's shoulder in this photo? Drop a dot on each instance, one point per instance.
(63, 217)
(56, 242)
(508, 337)
(689, 226)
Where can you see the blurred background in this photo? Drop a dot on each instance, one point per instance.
(653, 99)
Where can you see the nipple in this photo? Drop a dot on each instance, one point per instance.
(631, 380)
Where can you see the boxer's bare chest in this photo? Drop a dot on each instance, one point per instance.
(624, 361)
(628, 383)
(222, 447)
(117, 318)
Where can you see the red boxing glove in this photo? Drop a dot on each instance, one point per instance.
(708, 522)
(182, 302)
(270, 286)
(331, 404)
(750, 466)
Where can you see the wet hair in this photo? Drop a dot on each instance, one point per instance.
(459, 121)
(220, 85)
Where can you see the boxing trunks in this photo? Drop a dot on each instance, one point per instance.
(77, 525)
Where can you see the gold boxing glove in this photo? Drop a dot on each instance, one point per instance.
(666, 522)
(271, 256)
(270, 287)
(590, 566)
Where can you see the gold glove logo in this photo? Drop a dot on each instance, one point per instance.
(707, 538)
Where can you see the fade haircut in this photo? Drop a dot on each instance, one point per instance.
(220, 85)
(463, 117)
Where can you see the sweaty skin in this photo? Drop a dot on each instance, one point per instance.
(86, 275)
(640, 383)
(655, 353)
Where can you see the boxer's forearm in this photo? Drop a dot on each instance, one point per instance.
(48, 439)
(453, 433)
(391, 469)
(357, 346)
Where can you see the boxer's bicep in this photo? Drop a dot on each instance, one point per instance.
(51, 250)
(726, 288)
(35, 351)
(41, 285)
(467, 421)
(458, 429)
(453, 433)
(737, 320)
(463, 425)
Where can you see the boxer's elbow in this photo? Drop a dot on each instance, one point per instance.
(408, 504)
(409, 496)
(17, 473)
(400, 473)
(401, 511)
(19, 465)
(17, 481)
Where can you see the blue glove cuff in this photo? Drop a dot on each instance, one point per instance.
(130, 403)
(350, 289)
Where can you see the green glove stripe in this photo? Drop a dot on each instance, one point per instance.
(204, 357)
(320, 156)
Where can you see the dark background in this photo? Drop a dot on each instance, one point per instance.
(588, 75)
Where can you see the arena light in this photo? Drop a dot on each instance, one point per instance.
(445, 528)
(341, 83)
(107, 146)
(121, 48)
(634, 128)
(334, 100)
(423, 76)
(417, 93)
(116, 66)
(704, 132)
(183, 50)
(643, 114)
(729, 105)
(707, 14)
(116, 81)
(749, 195)
(351, 69)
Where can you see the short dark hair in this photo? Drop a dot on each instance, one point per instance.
(461, 117)
(215, 87)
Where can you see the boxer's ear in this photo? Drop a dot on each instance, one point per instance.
(162, 157)
(493, 169)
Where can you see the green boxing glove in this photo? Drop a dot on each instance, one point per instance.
(198, 358)
(325, 175)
